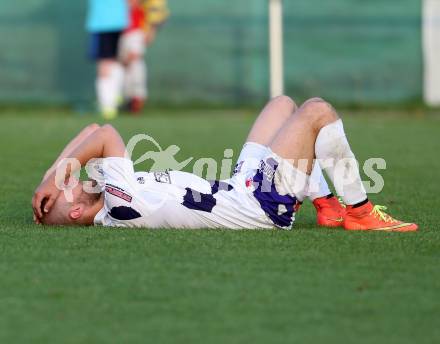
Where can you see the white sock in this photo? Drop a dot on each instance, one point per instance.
(337, 159)
(318, 186)
(136, 80)
(104, 93)
(109, 88)
(118, 79)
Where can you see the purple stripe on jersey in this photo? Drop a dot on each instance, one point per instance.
(124, 213)
(204, 202)
(218, 185)
(198, 201)
(268, 196)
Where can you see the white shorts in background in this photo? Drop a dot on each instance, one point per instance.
(132, 42)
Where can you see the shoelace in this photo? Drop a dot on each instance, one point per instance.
(378, 211)
(341, 202)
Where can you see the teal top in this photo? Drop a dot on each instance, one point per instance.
(107, 15)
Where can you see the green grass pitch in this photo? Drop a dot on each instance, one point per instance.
(309, 285)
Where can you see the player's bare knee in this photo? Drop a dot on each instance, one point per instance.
(133, 57)
(105, 67)
(319, 112)
(285, 103)
(317, 104)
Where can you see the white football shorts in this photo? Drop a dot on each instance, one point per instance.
(275, 183)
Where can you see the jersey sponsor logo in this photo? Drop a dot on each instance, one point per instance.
(162, 177)
(118, 192)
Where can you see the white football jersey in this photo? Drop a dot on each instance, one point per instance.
(174, 199)
(261, 194)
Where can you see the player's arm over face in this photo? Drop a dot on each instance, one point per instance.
(71, 146)
(102, 143)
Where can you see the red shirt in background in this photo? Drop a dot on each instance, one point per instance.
(137, 18)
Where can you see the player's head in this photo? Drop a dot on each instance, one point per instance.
(77, 210)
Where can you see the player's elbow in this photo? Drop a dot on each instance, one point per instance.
(112, 143)
(91, 128)
(109, 134)
(104, 133)
(107, 130)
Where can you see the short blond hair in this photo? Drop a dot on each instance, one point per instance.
(58, 214)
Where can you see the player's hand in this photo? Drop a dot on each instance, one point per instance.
(37, 220)
(44, 197)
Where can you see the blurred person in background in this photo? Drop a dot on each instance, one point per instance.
(145, 18)
(106, 20)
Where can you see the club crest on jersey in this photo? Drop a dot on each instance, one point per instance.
(118, 192)
(162, 177)
(237, 168)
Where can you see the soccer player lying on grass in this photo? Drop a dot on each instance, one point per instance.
(269, 183)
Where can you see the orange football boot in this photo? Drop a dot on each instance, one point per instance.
(329, 212)
(372, 217)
